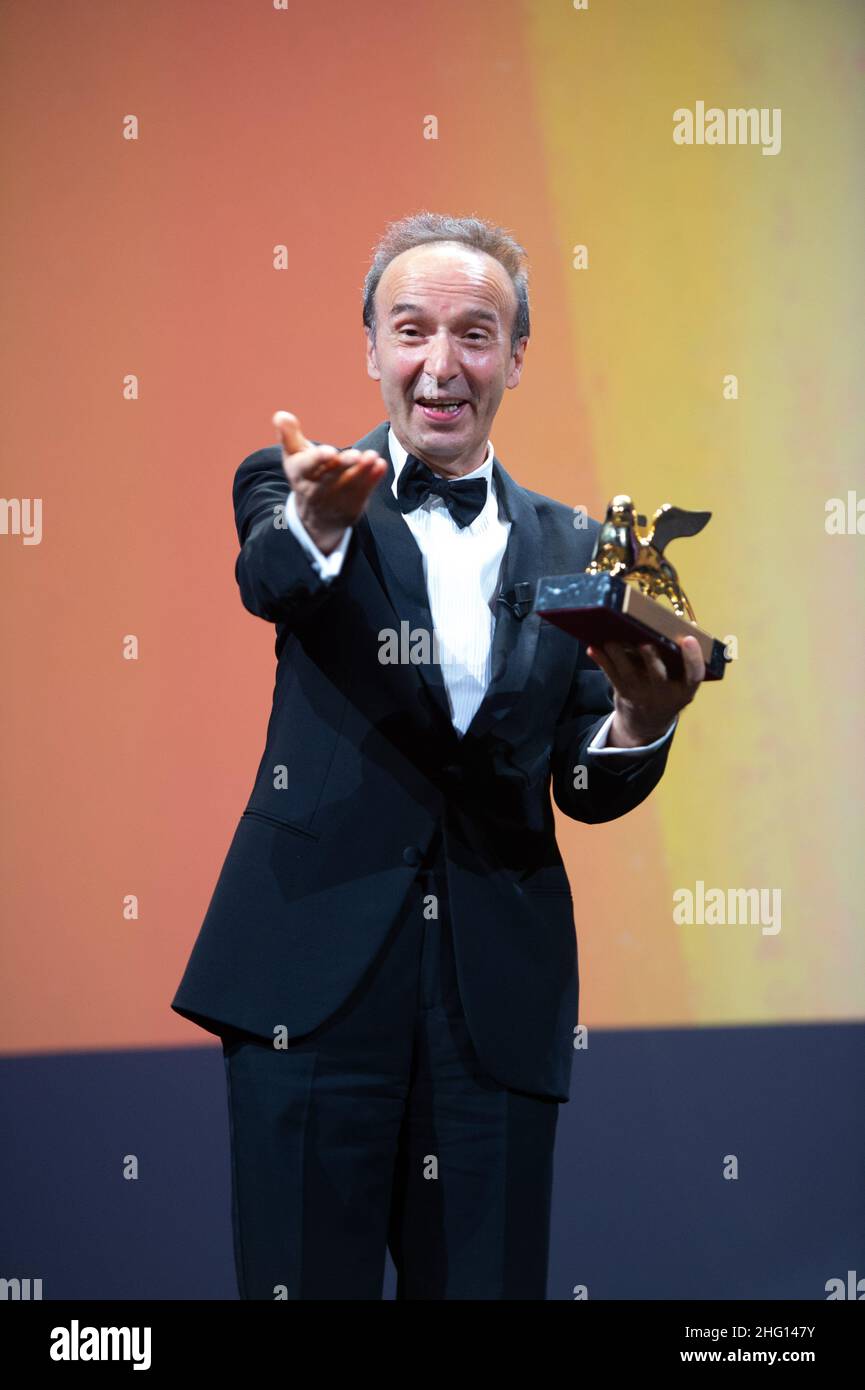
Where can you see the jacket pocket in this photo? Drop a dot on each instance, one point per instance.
(252, 814)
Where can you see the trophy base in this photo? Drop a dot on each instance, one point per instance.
(598, 608)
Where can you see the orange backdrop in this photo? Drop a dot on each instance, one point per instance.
(152, 259)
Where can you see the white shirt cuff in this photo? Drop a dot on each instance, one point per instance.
(328, 566)
(599, 742)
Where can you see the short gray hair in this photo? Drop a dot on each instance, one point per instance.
(424, 227)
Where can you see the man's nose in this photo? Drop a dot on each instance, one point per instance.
(442, 361)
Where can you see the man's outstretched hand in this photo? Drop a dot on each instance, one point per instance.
(646, 698)
(331, 488)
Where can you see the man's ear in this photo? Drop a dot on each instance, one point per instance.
(518, 355)
(371, 360)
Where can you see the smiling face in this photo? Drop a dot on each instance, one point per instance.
(444, 314)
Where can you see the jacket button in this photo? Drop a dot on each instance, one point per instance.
(412, 855)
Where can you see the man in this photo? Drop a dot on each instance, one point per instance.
(389, 955)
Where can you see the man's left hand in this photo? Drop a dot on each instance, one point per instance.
(646, 697)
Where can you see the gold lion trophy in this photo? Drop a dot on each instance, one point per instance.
(621, 595)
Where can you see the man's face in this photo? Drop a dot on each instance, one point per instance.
(444, 314)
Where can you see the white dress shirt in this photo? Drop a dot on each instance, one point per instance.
(461, 567)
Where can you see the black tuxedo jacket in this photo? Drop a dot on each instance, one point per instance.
(324, 853)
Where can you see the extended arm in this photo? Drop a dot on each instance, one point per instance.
(277, 577)
(294, 511)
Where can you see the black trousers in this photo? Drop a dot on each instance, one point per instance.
(381, 1129)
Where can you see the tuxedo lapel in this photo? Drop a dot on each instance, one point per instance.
(515, 638)
(399, 565)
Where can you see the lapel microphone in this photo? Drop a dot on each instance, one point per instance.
(520, 599)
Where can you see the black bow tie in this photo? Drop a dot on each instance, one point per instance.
(464, 498)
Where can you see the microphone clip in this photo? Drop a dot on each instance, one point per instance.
(519, 599)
